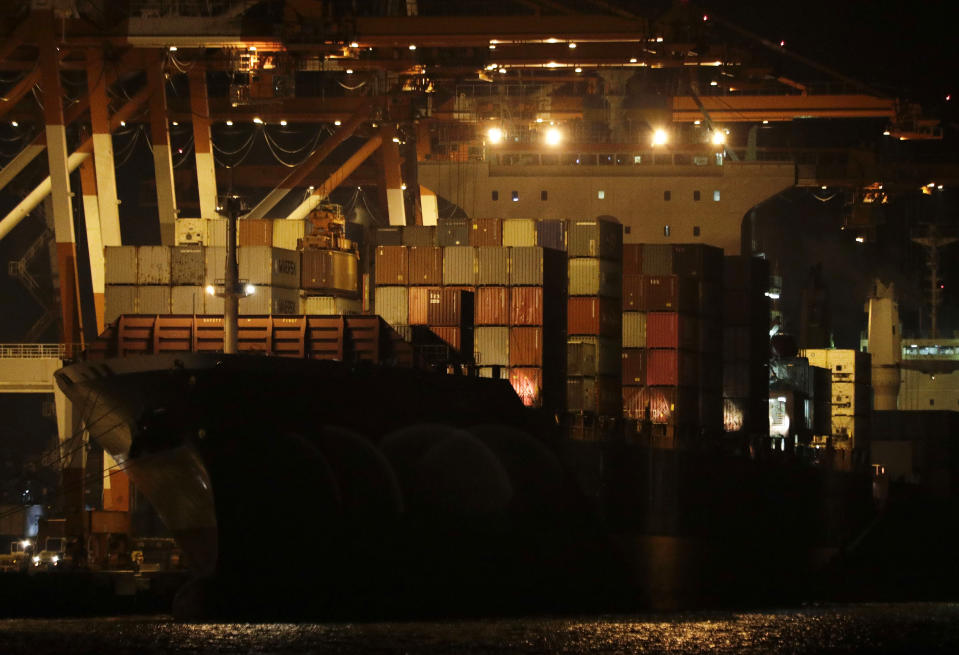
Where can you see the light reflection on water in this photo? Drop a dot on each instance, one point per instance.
(873, 628)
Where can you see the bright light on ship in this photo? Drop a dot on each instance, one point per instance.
(494, 134)
(249, 289)
(660, 137)
(718, 138)
(210, 289)
(553, 137)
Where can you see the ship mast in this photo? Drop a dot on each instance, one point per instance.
(933, 241)
(231, 284)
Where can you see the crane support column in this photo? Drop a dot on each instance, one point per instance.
(202, 143)
(59, 176)
(162, 154)
(430, 206)
(91, 216)
(336, 178)
(392, 176)
(106, 182)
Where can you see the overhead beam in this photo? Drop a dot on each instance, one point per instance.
(731, 109)
(162, 152)
(392, 176)
(298, 174)
(106, 178)
(13, 96)
(336, 178)
(202, 142)
(91, 220)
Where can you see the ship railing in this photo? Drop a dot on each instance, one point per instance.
(38, 350)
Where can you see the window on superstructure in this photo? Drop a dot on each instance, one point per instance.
(695, 230)
(516, 196)
(607, 160)
(601, 194)
(543, 195)
(627, 229)
(932, 402)
(665, 230)
(696, 195)
(495, 195)
(667, 195)
(716, 195)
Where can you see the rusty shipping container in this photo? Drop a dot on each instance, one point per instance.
(632, 259)
(188, 299)
(634, 367)
(333, 270)
(594, 395)
(153, 299)
(671, 367)
(459, 265)
(551, 233)
(419, 235)
(393, 304)
(519, 232)
(419, 305)
(492, 266)
(426, 265)
(453, 232)
(153, 265)
(491, 346)
(594, 316)
(392, 266)
(634, 293)
(449, 308)
(486, 232)
(592, 356)
(188, 265)
(595, 277)
(389, 236)
(670, 293)
(527, 382)
(255, 232)
(634, 329)
(671, 330)
(457, 338)
(598, 238)
(492, 305)
(526, 346)
(120, 264)
(526, 306)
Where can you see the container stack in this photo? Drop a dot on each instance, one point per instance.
(491, 275)
(138, 280)
(594, 318)
(745, 346)
(274, 274)
(672, 368)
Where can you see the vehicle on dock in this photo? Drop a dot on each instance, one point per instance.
(16, 555)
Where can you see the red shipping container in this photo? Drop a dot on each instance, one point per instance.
(634, 367)
(392, 266)
(419, 305)
(634, 293)
(670, 367)
(670, 293)
(426, 265)
(255, 232)
(671, 330)
(526, 306)
(594, 316)
(486, 232)
(492, 306)
(449, 307)
(632, 258)
(526, 346)
(528, 385)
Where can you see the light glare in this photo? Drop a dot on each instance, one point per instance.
(553, 136)
(494, 134)
(660, 137)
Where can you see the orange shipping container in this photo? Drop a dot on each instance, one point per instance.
(255, 232)
(526, 306)
(594, 316)
(451, 336)
(426, 265)
(677, 368)
(634, 293)
(391, 266)
(419, 305)
(486, 232)
(525, 346)
(492, 306)
(528, 384)
(449, 307)
(632, 258)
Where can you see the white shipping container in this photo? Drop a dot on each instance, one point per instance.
(266, 266)
(188, 300)
(491, 346)
(634, 329)
(216, 232)
(595, 277)
(492, 265)
(519, 232)
(459, 265)
(153, 265)
(271, 300)
(153, 300)
(190, 231)
(392, 304)
(330, 305)
(120, 264)
(287, 231)
(215, 265)
(119, 300)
